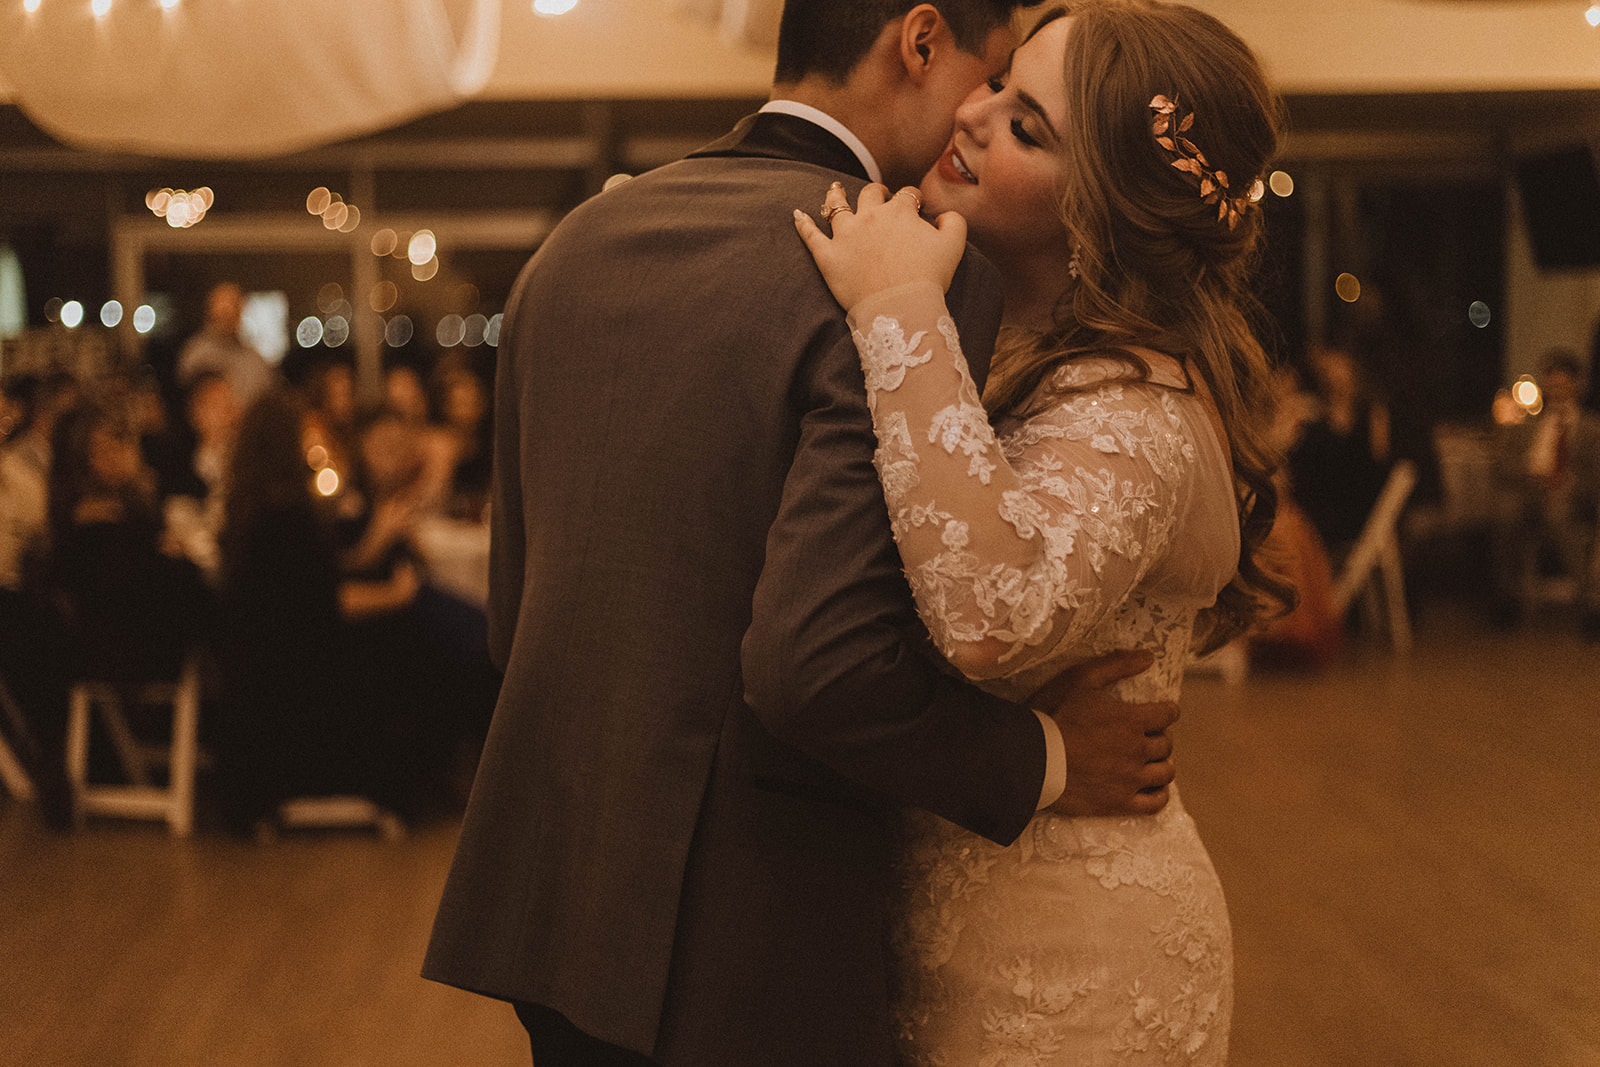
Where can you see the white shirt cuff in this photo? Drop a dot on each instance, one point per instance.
(1055, 762)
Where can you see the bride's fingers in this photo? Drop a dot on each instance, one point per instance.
(810, 233)
(872, 195)
(954, 225)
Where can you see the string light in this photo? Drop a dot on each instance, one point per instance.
(180, 209)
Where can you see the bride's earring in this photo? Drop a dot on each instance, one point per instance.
(1072, 266)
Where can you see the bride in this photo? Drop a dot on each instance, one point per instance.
(1120, 500)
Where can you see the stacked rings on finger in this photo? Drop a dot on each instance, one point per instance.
(830, 210)
(916, 197)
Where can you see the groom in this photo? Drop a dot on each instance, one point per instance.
(652, 869)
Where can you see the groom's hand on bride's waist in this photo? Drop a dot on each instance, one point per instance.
(1118, 755)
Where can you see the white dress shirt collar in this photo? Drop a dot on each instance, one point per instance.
(833, 126)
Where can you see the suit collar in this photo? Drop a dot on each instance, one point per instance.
(775, 135)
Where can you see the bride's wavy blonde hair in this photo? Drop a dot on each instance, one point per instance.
(1164, 259)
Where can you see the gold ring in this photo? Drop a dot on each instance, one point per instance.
(916, 197)
(830, 210)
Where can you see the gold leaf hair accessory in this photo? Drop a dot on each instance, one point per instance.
(1213, 183)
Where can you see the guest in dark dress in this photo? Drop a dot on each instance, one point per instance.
(1341, 460)
(133, 603)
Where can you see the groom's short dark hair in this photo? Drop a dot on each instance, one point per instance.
(829, 37)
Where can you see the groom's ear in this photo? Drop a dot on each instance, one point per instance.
(923, 37)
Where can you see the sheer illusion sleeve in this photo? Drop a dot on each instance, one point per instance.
(1013, 548)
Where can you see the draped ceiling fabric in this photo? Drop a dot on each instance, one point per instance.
(241, 79)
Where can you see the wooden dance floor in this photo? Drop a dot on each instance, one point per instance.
(1409, 848)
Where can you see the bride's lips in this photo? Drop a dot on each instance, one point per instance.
(952, 168)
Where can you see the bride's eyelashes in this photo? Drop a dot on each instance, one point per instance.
(1019, 128)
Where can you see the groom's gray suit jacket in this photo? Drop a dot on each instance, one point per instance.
(684, 464)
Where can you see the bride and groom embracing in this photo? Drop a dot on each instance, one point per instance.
(750, 797)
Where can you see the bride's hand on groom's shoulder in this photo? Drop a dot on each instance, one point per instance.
(1118, 755)
(882, 243)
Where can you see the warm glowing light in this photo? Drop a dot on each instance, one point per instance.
(1257, 191)
(337, 215)
(383, 242)
(309, 332)
(318, 200)
(170, 5)
(1526, 393)
(491, 335)
(397, 331)
(383, 296)
(1281, 183)
(1591, 16)
(30, 6)
(317, 457)
(451, 332)
(477, 328)
(144, 318)
(101, 8)
(425, 271)
(110, 313)
(1478, 314)
(421, 248)
(181, 209)
(1348, 286)
(52, 309)
(327, 481)
(352, 219)
(71, 314)
(551, 8)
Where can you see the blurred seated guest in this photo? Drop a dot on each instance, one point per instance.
(464, 403)
(25, 475)
(34, 660)
(134, 604)
(1548, 473)
(330, 391)
(196, 495)
(1339, 462)
(406, 395)
(218, 347)
(300, 718)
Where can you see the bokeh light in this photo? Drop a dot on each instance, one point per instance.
(317, 457)
(491, 334)
(1592, 16)
(451, 332)
(318, 200)
(336, 331)
(1348, 286)
(1526, 394)
(397, 332)
(551, 8)
(329, 296)
(384, 242)
(309, 333)
(1478, 314)
(101, 8)
(383, 297)
(110, 313)
(30, 6)
(614, 181)
(71, 314)
(327, 481)
(144, 318)
(1281, 183)
(52, 309)
(421, 248)
(425, 271)
(477, 328)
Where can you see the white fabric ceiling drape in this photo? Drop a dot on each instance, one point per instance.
(241, 78)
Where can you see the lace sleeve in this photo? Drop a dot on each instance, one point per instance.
(1012, 549)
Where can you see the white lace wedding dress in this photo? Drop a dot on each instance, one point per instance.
(1103, 518)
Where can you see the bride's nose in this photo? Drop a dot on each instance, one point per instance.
(970, 115)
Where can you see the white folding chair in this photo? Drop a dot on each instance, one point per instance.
(1372, 569)
(172, 803)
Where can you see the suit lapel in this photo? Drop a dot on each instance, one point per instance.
(774, 135)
